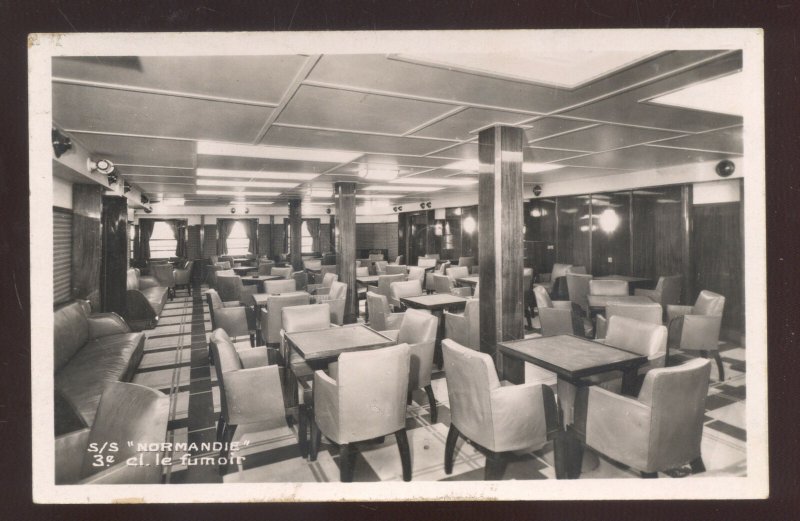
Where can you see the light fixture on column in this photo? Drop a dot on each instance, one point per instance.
(469, 224)
(537, 190)
(61, 143)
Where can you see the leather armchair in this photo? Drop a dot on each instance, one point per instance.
(367, 399)
(440, 270)
(300, 280)
(418, 330)
(608, 289)
(335, 298)
(645, 312)
(466, 261)
(660, 429)
(231, 289)
(464, 328)
(696, 328)
(444, 284)
(496, 418)
(145, 300)
(548, 280)
(380, 267)
(285, 272)
(395, 269)
(271, 317)
(578, 289)
(312, 264)
(265, 266)
(667, 291)
(280, 286)
(406, 288)
(249, 389)
(127, 412)
(384, 284)
(560, 317)
(380, 314)
(416, 273)
(231, 316)
(457, 272)
(183, 276)
(325, 286)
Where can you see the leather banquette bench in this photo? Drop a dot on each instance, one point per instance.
(90, 351)
(145, 300)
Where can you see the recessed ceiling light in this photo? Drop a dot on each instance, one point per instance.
(234, 194)
(470, 166)
(431, 181)
(212, 148)
(253, 174)
(245, 184)
(405, 188)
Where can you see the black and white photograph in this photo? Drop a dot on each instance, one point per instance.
(398, 265)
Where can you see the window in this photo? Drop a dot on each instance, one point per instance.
(238, 243)
(162, 241)
(306, 241)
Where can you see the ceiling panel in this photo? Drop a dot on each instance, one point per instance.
(353, 168)
(603, 137)
(462, 151)
(261, 164)
(382, 73)
(331, 108)
(727, 140)
(460, 125)
(546, 127)
(300, 137)
(149, 173)
(546, 155)
(643, 157)
(139, 151)
(569, 174)
(409, 161)
(105, 110)
(256, 78)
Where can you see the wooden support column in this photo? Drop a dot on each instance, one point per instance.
(295, 227)
(87, 207)
(345, 194)
(332, 231)
(113, 287)
(687, 264)
(500, 239)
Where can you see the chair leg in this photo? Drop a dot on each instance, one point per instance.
(431, 402)
(405, 453)
(450, 448)
(220, 427)
(495, 466)
(316, 438)
(721, 369)
(346, 461)
(697, 465)
(649, 475)
(227, 436)
(302, 430)
(210, 355)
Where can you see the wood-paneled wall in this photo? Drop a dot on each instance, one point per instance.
(377, 236)
(611, 234)
(114, 259)
(194, 247)
(574, 237)
(87, 207)
(209, 240)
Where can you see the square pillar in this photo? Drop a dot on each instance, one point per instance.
(500, 238)
(296, 232)
(345, 194)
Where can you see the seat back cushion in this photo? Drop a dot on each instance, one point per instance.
(608, 287)
(275, 287)
(417, 327)
(306, 318)
(709, 303)
(409, 288)
(643, 338)
(70, 333)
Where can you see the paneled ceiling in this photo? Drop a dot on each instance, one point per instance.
(174, 125)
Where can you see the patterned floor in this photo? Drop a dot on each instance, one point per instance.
(176, 362)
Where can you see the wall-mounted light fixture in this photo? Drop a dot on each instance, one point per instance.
(537, 190)
(428, 204)
(126, 187)
(61, 143)
(469, 224)
(609, 220)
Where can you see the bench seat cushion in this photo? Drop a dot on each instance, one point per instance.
(106, 359)
(157, 297)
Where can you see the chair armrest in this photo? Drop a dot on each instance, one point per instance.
(231, 304)
(70, 450)
(455, 327)
(518, 416)
(104, 324)
(562, 304)
(391, 333)
(319, 289)
(254, 357)
(394, 320)
(700, 332)
(147, 281)
(600, 328)
(674, 311)
(138, 305)
(326, 404)
(254, 395)
(618, 426)
(649, 293)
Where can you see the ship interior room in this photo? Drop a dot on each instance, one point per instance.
(389, 267)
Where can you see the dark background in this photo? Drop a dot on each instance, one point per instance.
(781, 23)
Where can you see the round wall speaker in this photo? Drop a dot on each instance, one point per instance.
(537, 190)
(233, 210)
(725, 168)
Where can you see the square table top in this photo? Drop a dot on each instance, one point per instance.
(571, 357)
(243, 269)
(601, 301)
(260, 278)
(368, 279)
(435, 301)
(262, 298)
(471, 280)
(330, 343)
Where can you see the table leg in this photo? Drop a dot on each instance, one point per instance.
(629, 377)
(511, 369)
(438, 359)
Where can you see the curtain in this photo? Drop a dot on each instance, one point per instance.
(224, 228)
(286, 236)
(252, 234)
(145, 231)
(179, 233)
(313, 229)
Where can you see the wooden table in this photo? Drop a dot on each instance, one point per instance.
(469, 281)
(260, 300)
(368, 279)
(598, 303)
(317, 349)
(573, 359)
(243, 270)
(259, 280)
(436, 304)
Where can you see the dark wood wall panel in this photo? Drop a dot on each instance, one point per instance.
(325, 238)
(87, 207)
(656, 232)
(62, 255)
(209, 240)
(194, 247)
(402, 236)
(264, 239)
(717, 253)
(540, 234)
(611, 234)
(114, 258)
(574, 231)
(377, 236)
